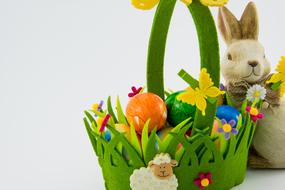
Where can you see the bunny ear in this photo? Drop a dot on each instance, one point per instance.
(229, 26)
(249, 22)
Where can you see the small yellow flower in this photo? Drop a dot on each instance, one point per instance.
(145, 4)
(198, 96)
(149, 4)
(280, 75)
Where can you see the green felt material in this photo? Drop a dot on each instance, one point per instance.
(198, 154)
(209, 53)
(177, 111)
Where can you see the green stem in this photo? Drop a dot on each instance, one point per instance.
(209, 52)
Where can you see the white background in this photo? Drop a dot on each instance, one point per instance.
(57, 57)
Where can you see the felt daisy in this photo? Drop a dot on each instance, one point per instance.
(199, 96)
(279, 77)
(204, 180)
(215, 3)
(254, 113)
(256, 93)
(228, 128)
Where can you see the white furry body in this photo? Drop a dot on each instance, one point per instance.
(143, 179)
(269, 139)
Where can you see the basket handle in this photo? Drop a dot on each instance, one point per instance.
(209, 51)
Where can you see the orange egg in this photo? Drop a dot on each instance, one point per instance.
(143, 107)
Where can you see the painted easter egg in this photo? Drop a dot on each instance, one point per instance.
(228, 113)
(143, 107)
(107, 135)
(177, 110)
(125, 129)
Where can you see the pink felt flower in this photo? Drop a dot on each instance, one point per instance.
(135, 91)
(255, 115)
(204, 180)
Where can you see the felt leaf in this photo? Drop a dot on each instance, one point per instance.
(110, 110)
(135, 141)
(276, 86)
(188, 78)
(89, 132)
(144, 138)
(120, 113)
(150, 150)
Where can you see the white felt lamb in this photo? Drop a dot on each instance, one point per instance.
(158, 175)
(243, 66)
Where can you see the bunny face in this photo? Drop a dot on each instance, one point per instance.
(245, 57)
(246, 60)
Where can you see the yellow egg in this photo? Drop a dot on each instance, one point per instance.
(143, 107)
(122, 128)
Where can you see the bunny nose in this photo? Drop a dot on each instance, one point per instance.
(253, 63)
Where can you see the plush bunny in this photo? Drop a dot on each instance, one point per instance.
(244, 65)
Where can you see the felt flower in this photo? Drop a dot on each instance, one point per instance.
(149, 4)
(204, 180)
(279, 77)
(256, 93)
(254, 113)
(228, 128)
(199, 96)
(98, 107)
(134, 91)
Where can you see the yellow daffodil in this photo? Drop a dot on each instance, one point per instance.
(280, 75)
(199, 95)
(149, 4)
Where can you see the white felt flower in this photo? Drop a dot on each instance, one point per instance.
(256, 92)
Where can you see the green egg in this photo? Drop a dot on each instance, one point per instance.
(177, 111)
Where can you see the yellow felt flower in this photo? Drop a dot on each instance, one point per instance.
(144, 4)
(280, 75)
(199, 95)
(149, 4)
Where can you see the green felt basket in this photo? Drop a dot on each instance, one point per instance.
(198, 153)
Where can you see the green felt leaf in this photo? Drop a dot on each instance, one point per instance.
(188, 78)
(276, 86)
(135, 141)
(121, 116)
(150, 151)
(110, 110)
(144, 137)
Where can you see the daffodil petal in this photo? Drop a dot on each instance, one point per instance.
(281, 65)
(201, 103)
(275, 78)
(188, 97)
(214, 2)
(145, 4)
(213, 92)
(205, 80)
(282, 91)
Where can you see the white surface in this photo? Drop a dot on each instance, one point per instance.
(56, 59)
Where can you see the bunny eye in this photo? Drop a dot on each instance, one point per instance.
(230, 57)
(264, 56)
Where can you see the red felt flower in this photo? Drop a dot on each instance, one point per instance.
(135, 91)
(204, 180)
(254, 113)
